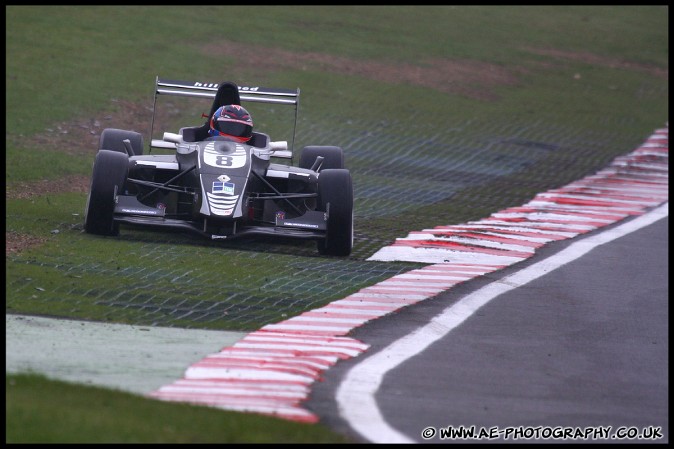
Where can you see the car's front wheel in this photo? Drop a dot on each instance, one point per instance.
(335, 195)
(110, 171)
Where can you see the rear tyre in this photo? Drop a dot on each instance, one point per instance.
(111, 169)
(335, 195)
(333, 156)
(112, 139)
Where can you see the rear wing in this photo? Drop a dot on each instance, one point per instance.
(255, 94)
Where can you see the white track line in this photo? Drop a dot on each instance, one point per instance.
(356, 394)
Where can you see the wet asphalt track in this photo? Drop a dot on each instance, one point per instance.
(584, 345)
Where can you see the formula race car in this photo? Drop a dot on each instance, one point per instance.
(219, 188)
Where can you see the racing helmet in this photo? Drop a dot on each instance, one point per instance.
(232, 121)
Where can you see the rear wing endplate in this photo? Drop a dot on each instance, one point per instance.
(198, 89)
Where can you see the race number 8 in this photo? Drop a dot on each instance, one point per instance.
(224, 161)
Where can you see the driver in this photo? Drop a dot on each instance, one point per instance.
(233, 122)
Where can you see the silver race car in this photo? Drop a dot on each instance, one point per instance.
(219, 188)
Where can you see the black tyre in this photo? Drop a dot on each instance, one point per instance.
(113, 139)
(335, 195)
(111, 169)
(333, 157)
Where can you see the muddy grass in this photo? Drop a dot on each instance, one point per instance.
(473, 79)
(15, 242)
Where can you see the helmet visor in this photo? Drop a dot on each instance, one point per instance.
(234, 128)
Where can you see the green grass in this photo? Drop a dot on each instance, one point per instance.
(74, 64)
(116, 280)
(41, 410)
(94, 53)
(35, 163)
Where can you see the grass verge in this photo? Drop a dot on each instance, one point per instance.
(42, 410)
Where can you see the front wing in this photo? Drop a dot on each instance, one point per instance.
(310, 225)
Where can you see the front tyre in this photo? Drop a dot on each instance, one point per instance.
(111, 168)
(335, 195)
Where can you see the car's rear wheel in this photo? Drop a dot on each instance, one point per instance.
(110, 171)
(113, 139)
(335, 195)
(333, 157)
